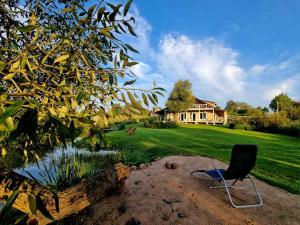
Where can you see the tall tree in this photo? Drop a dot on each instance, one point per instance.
(63, 64)
(281, 102)
(231, 107)
(181, 97)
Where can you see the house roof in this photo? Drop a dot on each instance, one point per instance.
(202, 101)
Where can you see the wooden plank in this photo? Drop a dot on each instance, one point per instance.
(70, 200)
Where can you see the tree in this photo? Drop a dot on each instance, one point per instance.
(61, 65)
(64, 69)
(231, 107)
(181, 97)
(281, 102)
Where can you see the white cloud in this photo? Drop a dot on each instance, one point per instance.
(143, 30)
(257, 69)
(141, 69)
(212, 67)
(289, 85)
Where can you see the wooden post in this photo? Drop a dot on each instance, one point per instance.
(186, 117)
(214, 117)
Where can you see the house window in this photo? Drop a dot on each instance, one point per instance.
(202, 115)
(182, 116)
(193, 116)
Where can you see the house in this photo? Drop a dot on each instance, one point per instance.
(202, 112)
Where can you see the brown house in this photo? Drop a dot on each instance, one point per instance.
(202, 112)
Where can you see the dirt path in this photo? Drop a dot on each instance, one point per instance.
(149, 191)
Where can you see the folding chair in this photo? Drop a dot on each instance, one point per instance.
(243, 159)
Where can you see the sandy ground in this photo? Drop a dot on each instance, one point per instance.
(148, 192)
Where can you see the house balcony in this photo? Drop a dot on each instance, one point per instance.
(200, 107)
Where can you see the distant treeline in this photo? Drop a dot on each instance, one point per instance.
(282, 116)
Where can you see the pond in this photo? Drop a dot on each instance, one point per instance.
(64, 167)
(49, 161)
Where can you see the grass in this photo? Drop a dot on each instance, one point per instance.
(278, 160)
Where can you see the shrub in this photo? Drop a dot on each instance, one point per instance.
(122, 126)
(232, 125)
(153, 123)
(272, 123)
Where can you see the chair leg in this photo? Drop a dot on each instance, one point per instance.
(247, 205)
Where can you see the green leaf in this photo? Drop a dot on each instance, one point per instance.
(9, 202)
(11, 110)
(155, 97)
(130, 29)
(111, 79)
(123, 97)
(131, 97)
(41, 207)
(80, 96)
(61, 59)
(114, 13)
(159, 88)
(151, 99)
(27, 28)
(145, 99)
(130, 64)
(161, 94)
(32, 204)
(56, 200)
(106, 31)
(129, 82)
(100, 13)
(126, 7)
(131, 48)
(66, 10)
(91, 10)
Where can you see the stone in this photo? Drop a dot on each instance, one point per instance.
(137, 182)
(133, 221)
(168, 165)
(171, 165)
(133, 168)
(174, 165)
(182, 214)
(142, 166)
(122, 208)
(165, 217)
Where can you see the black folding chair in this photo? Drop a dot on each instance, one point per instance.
(243, 158)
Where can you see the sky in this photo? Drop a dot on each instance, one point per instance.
(237, 50)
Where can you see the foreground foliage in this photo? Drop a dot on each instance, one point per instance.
(63, 66)
(278, 155)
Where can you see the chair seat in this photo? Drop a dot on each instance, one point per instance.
(214, 173)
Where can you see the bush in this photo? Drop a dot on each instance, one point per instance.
(272, 123)
(232, 125)
(153, 123)
(122, 126)
(241, 126)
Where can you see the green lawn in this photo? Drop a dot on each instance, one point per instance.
(278, 159)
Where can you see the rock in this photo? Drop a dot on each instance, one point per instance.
(142, 166)
(174, 165)
(137, 182)
(133, 168)
(133, 221)
(182, 214)
(165, 217)
(168, 165)
(122, 208)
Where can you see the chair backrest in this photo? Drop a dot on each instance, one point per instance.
(243, 158)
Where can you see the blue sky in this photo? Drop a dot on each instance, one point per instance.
(240, 50)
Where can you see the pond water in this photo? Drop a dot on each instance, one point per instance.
(43, 167)
(37, 169)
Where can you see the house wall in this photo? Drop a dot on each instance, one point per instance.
(219, 119)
